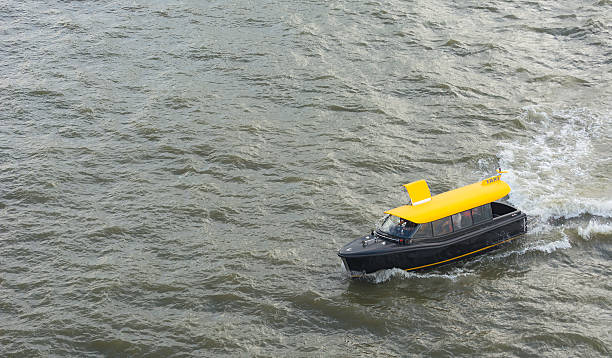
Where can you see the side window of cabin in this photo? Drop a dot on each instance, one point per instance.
(462, 220)
(482, 213)
(442, 226)
(424, 230)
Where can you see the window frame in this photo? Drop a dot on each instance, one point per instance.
(435, 234)
(489, 213)
(415, 236)
(461, 219)
(389, 225)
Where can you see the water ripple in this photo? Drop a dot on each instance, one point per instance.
(175, 178)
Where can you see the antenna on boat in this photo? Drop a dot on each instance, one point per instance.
(500, 171)
(495, 178)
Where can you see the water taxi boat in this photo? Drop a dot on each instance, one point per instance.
(432, 231)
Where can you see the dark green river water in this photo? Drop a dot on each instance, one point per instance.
(177, 176)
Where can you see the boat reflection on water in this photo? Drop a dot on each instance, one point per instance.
(433, 231)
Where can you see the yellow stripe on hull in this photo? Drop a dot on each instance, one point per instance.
(458, 257)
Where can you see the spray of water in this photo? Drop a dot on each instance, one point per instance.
(595, 227)
(386, 275)
(557, 170)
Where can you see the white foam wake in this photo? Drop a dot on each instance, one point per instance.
(559, 169)
(547, 247)
(594, 227)
(386, 275)
(540, 245)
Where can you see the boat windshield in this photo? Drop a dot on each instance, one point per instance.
(395, 226)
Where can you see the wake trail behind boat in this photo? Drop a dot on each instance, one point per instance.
(555, 176)
(554, 171)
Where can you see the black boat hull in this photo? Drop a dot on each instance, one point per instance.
(426, 255)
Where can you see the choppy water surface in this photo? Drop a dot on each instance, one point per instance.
(176, 177)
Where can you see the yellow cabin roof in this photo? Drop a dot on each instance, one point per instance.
(425, 209)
